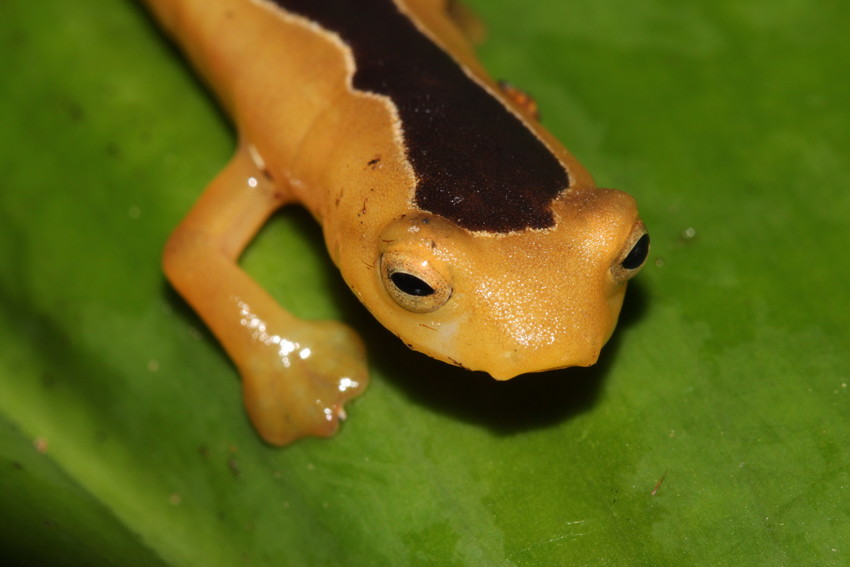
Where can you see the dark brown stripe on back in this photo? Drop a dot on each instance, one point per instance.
(475, 162)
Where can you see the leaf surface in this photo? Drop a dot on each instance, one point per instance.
(714, 431)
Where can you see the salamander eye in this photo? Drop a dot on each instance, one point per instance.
(410, 284)
(637, 255)
(634, 254)
(413, 283)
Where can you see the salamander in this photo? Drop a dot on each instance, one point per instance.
(460, 223)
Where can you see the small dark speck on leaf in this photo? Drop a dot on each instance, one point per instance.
(658, 484)
(113, 150)
(234, 468)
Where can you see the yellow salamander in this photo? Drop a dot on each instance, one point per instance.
(458, 221)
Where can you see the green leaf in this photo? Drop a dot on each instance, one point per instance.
(715, 430)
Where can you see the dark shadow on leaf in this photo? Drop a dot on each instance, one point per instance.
(634, 307)
(527, 402)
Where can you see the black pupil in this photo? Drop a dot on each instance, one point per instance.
(411, 285)
(638, 253)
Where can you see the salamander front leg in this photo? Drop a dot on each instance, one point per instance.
(296, 374)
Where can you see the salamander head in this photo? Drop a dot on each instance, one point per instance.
(510, 303)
